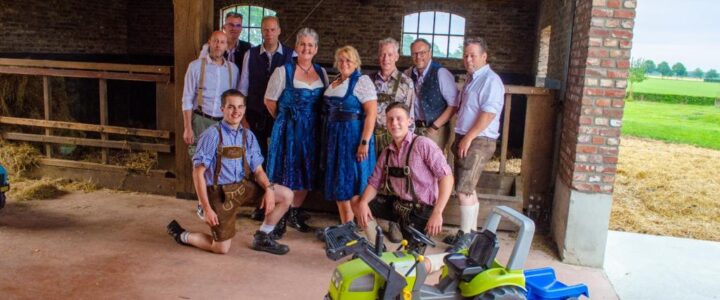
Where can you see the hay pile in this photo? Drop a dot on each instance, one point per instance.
(512, 166)
(46, 188)
(667, 189)
(18, 158)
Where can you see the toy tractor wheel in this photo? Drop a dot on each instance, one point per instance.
(503, 293)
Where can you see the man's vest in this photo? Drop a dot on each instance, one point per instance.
(260, 74)
(431, 99)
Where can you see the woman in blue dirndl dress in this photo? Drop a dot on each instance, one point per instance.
(294, 98)
(350, 109)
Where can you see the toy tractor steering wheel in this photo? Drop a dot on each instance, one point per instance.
(420, 237)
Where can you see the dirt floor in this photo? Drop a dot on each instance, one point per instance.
(667, 189)
(113, 245)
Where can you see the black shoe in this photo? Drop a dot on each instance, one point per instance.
(258, 214)
(394, 234)
(175, 231)
(450, 239)
(263, 242)
(280, 229)
(294, 221)
(462, 242)
(303, 215)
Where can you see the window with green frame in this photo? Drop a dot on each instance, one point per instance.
(252, 17)
(445, 31)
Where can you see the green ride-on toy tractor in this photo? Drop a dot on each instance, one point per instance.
(4, 186)
(470, 274)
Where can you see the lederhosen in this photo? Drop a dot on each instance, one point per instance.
(226, 200)
(382, 137)
(406, 213)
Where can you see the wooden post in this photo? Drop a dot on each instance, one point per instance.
(538, 149)
(505, 133)
(103, 116)
(46, 105)
(193, 24)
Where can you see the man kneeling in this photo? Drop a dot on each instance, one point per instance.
(226, 153)
(416, 175)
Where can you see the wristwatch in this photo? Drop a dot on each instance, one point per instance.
(270, 186)
(363, 142)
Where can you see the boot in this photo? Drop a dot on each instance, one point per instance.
(296, 222)
(258, 214)
(280, 229)
(175, 231)
(450, 239)
(303, 215)
(263, 242)
(394, 234)
(462, 242)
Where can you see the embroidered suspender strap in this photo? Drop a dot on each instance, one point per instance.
(218, 159)
(229, 68)
(201, 85)
(246, 165)
(408, 178)
(397, 84)
(406, 172)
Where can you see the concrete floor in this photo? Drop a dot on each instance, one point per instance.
(113, 245)
(642, 266)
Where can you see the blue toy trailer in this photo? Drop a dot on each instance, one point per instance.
(4, 186)
(541, 284)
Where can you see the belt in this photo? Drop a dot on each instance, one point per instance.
(408, 204)
(344, 116)
(204, 115)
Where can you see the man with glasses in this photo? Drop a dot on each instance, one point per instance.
(236, 47)
(435, 92)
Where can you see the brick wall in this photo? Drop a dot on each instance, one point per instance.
(593, 106)
(507, 25)
(150, 27)
(56, 26)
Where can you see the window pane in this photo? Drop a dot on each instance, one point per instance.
(440, 46)
(255, 36)
(428, 37)
(255, 16)
(457, 25)
(269, 12)
(456, 47)
(410, 23)
(407, 40)
(243, 10)
(442, 23)
(244, 34)
(426, 22)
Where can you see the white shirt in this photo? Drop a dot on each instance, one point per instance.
(276, 85)
(244, 83)
(448, 89)
(216, 82)
(364, 89)
(484, 93)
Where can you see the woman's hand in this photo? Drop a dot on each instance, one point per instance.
(362, 152)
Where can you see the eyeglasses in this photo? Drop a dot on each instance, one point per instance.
(236, 25)
(419, 53)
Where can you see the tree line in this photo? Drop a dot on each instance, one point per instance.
(677, 69)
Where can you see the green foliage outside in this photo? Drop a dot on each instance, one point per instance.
(676, 123)
(712, 73)
(697, 73)
(664, 69)
(677, 99)
(679, 70)
(649, 66)
(678, 87)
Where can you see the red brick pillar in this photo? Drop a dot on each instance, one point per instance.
(590, 133)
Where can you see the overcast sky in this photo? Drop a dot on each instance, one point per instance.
(678, 31)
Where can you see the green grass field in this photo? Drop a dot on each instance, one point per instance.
(678, 87)
(676, 123)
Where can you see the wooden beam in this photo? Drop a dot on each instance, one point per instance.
(84, 74)
(505, 133)
(526, 90)
(56, 64)
(161, 134)
(103, 116)
(125, 145)
(46, 108)
(193, 25)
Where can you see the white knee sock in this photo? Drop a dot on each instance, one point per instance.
(436, 261)
(370, 231)
(468, 217)
(476, 212)
(266, 228)
(184, 236)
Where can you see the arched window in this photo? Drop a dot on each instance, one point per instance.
(445, 31)
(252, 16)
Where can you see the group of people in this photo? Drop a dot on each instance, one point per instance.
(266, 125)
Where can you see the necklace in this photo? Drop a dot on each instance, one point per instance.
(306, 71)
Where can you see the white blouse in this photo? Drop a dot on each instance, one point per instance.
(364, 89)
(276, 84)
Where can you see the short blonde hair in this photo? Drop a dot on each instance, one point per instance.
(350, 52)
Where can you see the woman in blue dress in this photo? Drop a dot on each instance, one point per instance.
(294, 98)
(350, 109)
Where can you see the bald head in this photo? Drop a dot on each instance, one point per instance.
(217, 44)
